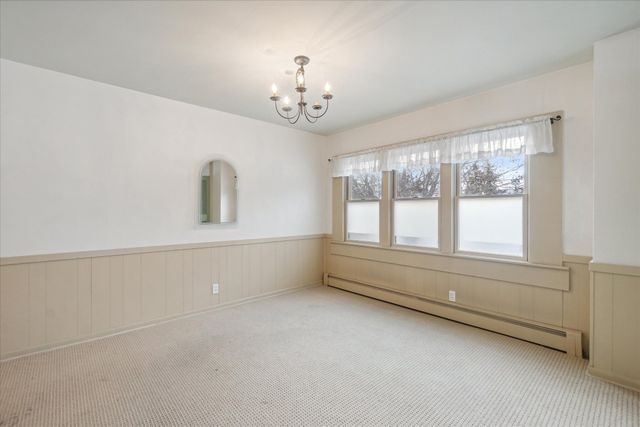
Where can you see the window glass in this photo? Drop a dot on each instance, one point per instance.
(363, 207)
(491, 206)
(497, 176)
(416, 222)
(417, 183)
(415, 207)
(362, 221)
(491, 225)
(365, 186)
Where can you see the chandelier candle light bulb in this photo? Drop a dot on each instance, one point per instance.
(274, 97)
(286, 107)
(301, 61)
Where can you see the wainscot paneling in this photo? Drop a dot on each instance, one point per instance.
(52, 300)
(553, 298)
(615, 317)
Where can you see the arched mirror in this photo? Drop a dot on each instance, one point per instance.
(218, 193)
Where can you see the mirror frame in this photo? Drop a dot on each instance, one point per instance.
(198, 192)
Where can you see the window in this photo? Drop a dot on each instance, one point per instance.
(363, 207)
(415, 207)
(491, 205)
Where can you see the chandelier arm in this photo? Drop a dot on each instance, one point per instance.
(310, 117)
(297, 117)
(323, 113)
(326, 108)
(275, 103)
(302, 107)
(292, 119)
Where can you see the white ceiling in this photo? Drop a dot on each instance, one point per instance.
(382, 58)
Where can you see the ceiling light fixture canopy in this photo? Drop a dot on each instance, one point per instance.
(302, 104)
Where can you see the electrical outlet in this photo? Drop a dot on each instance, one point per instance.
(452, 296)
(215, 289)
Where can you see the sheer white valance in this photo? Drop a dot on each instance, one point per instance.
(527, 136)
(359, 163)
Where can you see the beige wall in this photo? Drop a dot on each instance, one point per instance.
(615, 272)
(550, 297)
(88, 166)
(615, 310)
(616, 149)
(52, 300)
(569, 91)
(545, 295)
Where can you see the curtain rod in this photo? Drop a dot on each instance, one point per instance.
(555, 117)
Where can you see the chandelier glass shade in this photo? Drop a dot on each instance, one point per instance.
(286, 110)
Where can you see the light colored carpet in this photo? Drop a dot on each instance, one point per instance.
(318, 356)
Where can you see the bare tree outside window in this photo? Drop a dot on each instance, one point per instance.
(496, 176)
(418, 183)
(365, 186)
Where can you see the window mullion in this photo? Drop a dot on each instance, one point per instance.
(338, 207)
(385, 209)
(446, 208)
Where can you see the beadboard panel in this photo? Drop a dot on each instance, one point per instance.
(174, 273)
(61, 301)
(575, 303)
(49, 303)
(414, 274)
(539, 275)
(15, 309)
(615, 344)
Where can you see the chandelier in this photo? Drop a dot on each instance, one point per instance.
(301, 110)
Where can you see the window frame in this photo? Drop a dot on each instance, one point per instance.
(525, 216)
(349, 199)
(448, 204)
(394, 198)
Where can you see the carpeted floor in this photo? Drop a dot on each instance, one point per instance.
(315, 357)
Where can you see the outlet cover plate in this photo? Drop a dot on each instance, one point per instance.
(452, 296)
(215, 289)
